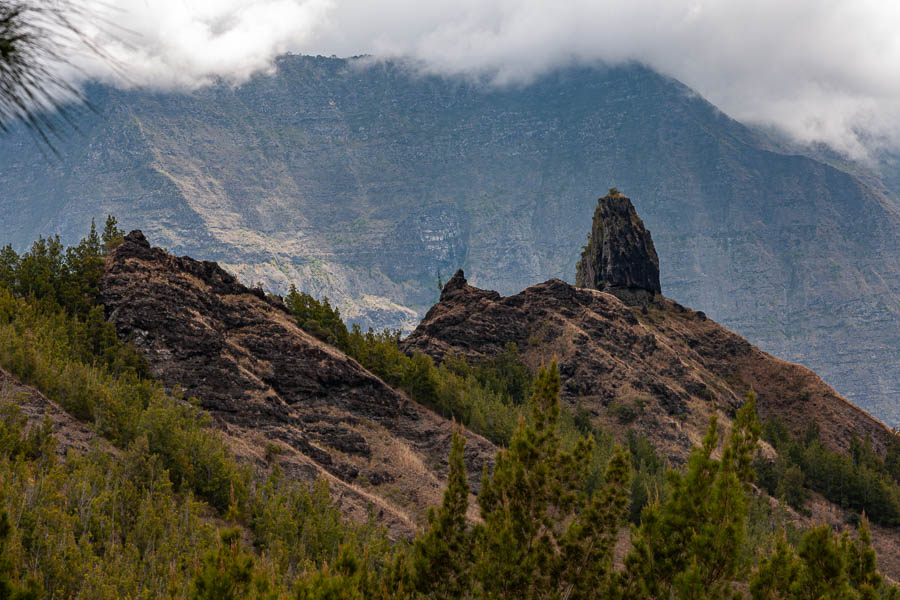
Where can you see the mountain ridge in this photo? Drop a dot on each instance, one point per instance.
(675, 360)
(367, 185)
(266, 381)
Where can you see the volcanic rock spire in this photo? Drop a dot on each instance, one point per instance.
(619, 257)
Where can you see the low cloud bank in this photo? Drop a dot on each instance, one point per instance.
(820, 71)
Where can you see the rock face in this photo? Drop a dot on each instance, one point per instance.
(661, 368)
(267, 381)
(619, 257)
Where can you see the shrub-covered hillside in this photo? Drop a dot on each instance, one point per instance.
(160, 508)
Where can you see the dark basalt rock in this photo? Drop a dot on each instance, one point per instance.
(601, 332)
(619, 257)
(265, 380)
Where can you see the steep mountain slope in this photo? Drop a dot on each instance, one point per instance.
(365, 184)
(664, 368)
(267, 382)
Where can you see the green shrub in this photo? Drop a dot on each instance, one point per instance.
(792, 489)
(860, 481)
(625, 413)
(317, 318)
(475, 395)
(648, 481)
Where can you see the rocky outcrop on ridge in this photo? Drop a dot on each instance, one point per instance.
(661, 368)
(634, 359)
(266, 381)
(619, 257)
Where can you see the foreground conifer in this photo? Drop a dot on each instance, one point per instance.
(541, 537)
(688, 547)
(441, 558)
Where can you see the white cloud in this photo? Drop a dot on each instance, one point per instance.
(823, 70)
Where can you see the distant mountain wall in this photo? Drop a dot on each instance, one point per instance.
(368, 184)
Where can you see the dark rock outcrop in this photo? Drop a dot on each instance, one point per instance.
(660, 368)
(619, 257)
(265, 380)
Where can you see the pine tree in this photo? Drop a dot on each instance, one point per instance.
(440, 558)
(84, 267)
(823, 574)
(862, 565)
(586, 557)
(9, 264)
(825, 568)
(112, 236)
(775, 574)
(350, 579)
(9, 590)
(689, 546)
(541, 537)
(229, 573)
(41, 271)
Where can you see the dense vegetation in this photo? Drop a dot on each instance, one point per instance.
(159, 507)
(541, 538)
(861, 481)
(137, 516)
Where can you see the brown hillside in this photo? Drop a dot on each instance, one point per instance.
(267, 381)
(661, 368)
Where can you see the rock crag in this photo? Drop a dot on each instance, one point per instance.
(266, 381)
(619, 257)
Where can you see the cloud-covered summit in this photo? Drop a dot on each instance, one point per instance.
(822, 71)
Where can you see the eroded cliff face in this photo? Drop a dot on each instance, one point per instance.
(661, 368)
(265, 381)
(619, 257)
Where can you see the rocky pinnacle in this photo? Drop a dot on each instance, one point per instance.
(619, 257)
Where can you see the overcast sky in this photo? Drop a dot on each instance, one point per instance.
(823, 70)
